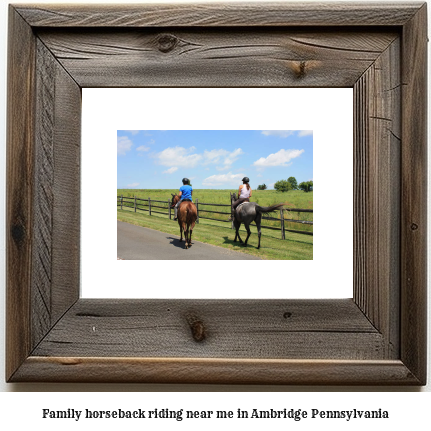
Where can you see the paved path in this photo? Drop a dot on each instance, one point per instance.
(140, 243)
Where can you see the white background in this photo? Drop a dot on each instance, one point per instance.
(328, 112)
(24, 409)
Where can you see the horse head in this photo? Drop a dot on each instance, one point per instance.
(175, 199)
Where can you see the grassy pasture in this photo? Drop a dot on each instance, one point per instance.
(294, 247)
(292, 199)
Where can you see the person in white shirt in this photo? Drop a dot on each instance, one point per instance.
(244, 195)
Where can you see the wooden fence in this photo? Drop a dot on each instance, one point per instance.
(152, 206)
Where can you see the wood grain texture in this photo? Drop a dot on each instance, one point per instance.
(215, 371)
(55, 278)
(43, 194)
(377, 172)
(220, 14)
(215, 57)
(414, 192)
(233, 329)
(67, 199)
(19, 203)
(378, 337)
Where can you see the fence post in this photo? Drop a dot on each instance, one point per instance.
(121, 202)
(169, 206)
(135, 203)
(197, 210)
(282, 223)
(231, 223)
(149, 206)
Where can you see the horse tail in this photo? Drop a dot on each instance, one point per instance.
(192, 212)
(266, 210)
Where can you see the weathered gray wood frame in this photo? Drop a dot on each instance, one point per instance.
(378, 337)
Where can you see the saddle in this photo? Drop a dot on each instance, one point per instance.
(186, 200)
(241, 204)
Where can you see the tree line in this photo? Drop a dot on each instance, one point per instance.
(289, 184)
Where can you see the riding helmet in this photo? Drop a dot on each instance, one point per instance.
(185, 180)
(246, 180)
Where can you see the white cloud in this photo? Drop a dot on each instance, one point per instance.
(133, 185)
(124, 144)
(143, 148)
(221, 156)
(170, 170)
(178, 156)
(223, 179)
(281, 158)
(187, 158)
(133, 132)
(214, 156)
(302, 133)
(232, 157)
(279, 133)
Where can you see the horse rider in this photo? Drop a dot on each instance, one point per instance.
(185, 193)
(244, 195)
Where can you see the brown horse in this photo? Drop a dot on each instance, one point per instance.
(187, 215)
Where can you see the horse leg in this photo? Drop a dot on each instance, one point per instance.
(190, 233)
(184, 228)
(181, 231)
(258, 232)
(188, 236)
(237, 225)
(248, 232)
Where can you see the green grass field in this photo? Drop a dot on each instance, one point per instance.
(294, 247)
(292, 199)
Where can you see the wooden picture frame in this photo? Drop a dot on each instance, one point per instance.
(376, 338)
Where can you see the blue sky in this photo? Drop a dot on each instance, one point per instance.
(212, 159)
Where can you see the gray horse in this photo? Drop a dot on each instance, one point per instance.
(247, 213)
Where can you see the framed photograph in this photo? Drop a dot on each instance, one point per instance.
(376, 337)
(224, 149)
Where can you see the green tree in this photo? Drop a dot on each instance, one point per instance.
(292, 180)
(262, 187)
(283, 186)
(306, 186)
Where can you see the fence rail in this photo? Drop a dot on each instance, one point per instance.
(135, 203)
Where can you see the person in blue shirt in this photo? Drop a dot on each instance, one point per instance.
(185, 193)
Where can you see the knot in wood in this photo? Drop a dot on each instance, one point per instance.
(197, 328)
(300, 69)
(167, 42)
(414, 226)
(18, 233)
